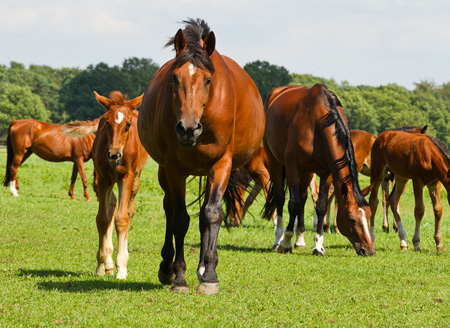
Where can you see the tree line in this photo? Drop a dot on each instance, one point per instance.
(66, 94)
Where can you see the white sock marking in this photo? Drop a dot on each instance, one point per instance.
(12, 188)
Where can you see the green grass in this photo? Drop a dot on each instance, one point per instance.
(48, 246)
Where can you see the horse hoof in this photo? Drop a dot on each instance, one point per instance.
(386, 229)
(109, 272)
(275, 247)
(166, 279)
(284, 250)
(404, 248)
(208, 288)
(439, 247)
(180, 289)
(300, 246)
(316, 252)
(121, 274)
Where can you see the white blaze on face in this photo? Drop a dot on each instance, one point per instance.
(119, 117)
(364, 220)
(192, 69)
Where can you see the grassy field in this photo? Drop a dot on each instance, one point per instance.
(48, 246)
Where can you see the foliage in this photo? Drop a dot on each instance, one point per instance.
(19, 102)
(267, 76)
(131, 79)
(48, 250)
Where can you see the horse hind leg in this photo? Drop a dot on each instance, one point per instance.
(419, 211)
(72, 180)
(394, 202)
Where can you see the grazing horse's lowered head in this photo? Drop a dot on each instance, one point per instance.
(191, 79)
(118, 120)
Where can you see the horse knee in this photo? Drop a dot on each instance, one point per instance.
(213, 214)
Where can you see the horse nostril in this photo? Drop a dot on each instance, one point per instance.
(179, 128)
(199, 126)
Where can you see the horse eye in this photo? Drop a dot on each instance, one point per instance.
(127, 127)
(207, 81)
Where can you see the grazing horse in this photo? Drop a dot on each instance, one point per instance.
(118, 158)
(306, 132)
(48, 141)
(410, 156)
(201, 115)
(257, 169)
(362, 145)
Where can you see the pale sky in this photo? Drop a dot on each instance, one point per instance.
(373, 42)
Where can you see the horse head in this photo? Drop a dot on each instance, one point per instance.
(191, 83)
(118, 120)
(353, 223)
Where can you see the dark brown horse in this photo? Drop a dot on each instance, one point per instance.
(118, 158)
(410, 156)
(48, 141)
(201, 115)
(306, 133)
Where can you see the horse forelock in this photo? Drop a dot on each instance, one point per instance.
(196, 30)
(343, 139)
(118, 98)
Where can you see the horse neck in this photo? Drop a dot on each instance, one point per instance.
(441, 166)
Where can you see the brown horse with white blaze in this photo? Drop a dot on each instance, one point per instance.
(47, 141)
(420, 158)
(201, 115)
(306, 133)
(119, 157)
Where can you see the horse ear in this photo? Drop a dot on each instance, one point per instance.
(136, 102)
(180, 42)
(105, 102)
(209, 44)
(424, 129)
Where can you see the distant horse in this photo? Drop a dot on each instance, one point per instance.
(48, 141)
(201, 115)
(257, 169)
(118, 158)
(362, 145)
(306, 132)
(410, 156)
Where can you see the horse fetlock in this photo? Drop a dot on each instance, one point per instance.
(100, 271)
(300, 240)
(403, 245)
(318, 249)
(166, 279)
(12, 188)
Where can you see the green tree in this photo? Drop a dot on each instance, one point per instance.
(18, 102)
(267, 76)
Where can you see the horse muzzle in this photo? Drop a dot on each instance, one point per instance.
(188, 135)
(364, 251)
(114, 156)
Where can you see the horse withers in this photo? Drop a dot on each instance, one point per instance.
(47, 141)
(414, 156)
(201, 115)
(118, 158)
(306, 133)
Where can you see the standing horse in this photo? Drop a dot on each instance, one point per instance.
(306, 133)
(201, 115)
(118, 158)
(48, 141)
(410, 156)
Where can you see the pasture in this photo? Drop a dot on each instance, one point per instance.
(48, 246)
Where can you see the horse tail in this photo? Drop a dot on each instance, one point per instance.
(271, 205)
(9, 155)
(239, 179)
(81, 128)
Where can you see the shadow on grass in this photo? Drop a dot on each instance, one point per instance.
(86, 286)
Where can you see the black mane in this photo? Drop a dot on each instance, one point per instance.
(343, 138)
(194, 31)
(441, 147)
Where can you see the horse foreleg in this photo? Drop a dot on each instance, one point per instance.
(322, 207)
(211, 216)
(300, 231)
(73, 179)
(327, 218)
(385, 203)
(394, 202)
(105, 216)
(122, 221)
(435, 195)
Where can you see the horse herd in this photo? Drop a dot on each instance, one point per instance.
(202, 115)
